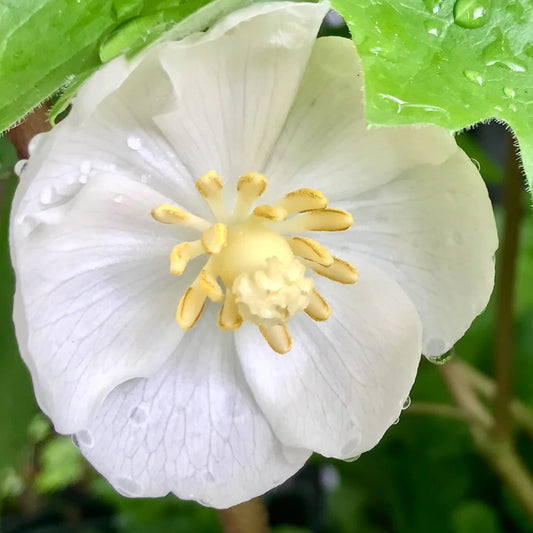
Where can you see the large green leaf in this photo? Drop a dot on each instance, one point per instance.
(446, 62)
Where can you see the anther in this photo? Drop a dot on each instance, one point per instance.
(317, 220)
(182, 253)
(318, 309)
(210, 188)
(168, 214)
(191, 306)
(340, 271)
(215, 238)
(303, 200)
(229, 318)
(310, 250)
(210, 285)
(249, 188)
(278, 337)
(270, 212)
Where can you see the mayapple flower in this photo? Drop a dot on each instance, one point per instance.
(311, 260)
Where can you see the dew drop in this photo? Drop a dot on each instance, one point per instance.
(85, 438)
(134, 142)
(128, 487)
(85, 167)
(48, 196)
(473, 76)
(74, 440)
(510, 93)
(476, 163)
(441, 359)
(512, 107)
(471, 14)
(19, 167)
(352, 459)
(499, 53)
(432, 28)
(407, 403)
(138, 415)
(433, 6)
(396, 421)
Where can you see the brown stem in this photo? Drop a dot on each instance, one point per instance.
(503, 361)
(247, 517)
(436, 409)
(34, 123)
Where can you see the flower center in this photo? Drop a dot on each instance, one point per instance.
(263, 270)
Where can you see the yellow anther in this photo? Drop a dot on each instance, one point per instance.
(168, 214)
(317, 220)
(190, 306)
(249, 188)
(229, 318)
(310, 250)
(278, 337)
(318, 309)
(182, 253)
(340, 271)
(270, 212)
(303, 200)
(215, 238)
(210, 285)
(210, 188)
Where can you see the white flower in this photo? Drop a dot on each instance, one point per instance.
(210, 414)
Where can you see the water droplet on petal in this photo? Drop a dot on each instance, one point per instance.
(134, 142)
(74, 440)
(82, 178)
(473, 76)
(407, 403)
(476, 163)
(352, 459)
(138, 415)
(396, 421)
(128, 487)
(85, 167)
(85, 438)
(19, 167)
(471, 14)
(441, 359)
(48, 196)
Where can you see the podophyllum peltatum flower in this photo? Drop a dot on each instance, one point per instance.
(222, 152)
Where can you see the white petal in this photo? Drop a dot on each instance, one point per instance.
(95, 302)
(345, 380)
(231, 110)
(192, 428)
(433, 230)
(325, 143)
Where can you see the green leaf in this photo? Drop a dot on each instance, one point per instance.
(450, 63)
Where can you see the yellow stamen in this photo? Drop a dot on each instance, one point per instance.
(270, 212)
(182, 253)
(190, 306)
(317, 220)
(210, 285)
(318, 309)
(249, 188)
(210, 188)
(215, 238)
(310, 250)
(303, 200)
(340, 271)
(278, 337)
(168, 214)
(229, 318)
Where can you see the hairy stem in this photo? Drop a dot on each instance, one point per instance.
(247, 517)
(503, 361)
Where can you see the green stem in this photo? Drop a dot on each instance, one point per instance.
(247, 517)
(503, 356)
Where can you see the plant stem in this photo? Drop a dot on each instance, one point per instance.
(503, 362)
(247, 517)
(34, 123)
(436, 409)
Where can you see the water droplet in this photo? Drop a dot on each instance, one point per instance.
(510, 93)
(128, 487)
(433, 27)
(512, 107)
(19, 167)
(499, 53)
(396, 421)
(471, 14)
(402, 105)
(85, 167)
(407, 403)
(74, 440)
(352, 459)
(134, 142)
(476, 163)
(433, 6)
(82, 178)
(48, 196)
(441, 359)
(85, 438)
(473, 76)
(138, 415)
(516, 10)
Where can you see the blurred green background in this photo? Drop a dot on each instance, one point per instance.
(424, 476)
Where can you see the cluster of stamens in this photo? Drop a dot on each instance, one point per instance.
(250, 251)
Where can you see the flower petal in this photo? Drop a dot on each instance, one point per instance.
(432, 229)
(326, 144)
(192, 428)
(231, 110)
(95, 303)
(345, 380)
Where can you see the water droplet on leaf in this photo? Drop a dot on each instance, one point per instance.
(510, 93)
(433, 6)
(473, 76)
(499, 53)
(471, 14)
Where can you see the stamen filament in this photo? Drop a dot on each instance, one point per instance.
(168, 214)
(303, 200)
(340, 271)
(210, 188)
(317, 220)
(229, 318)
(190, 306)
(318, 309)
(215, 238)
(250, 187)
(278, 337)
(310, 250)
(181, 255)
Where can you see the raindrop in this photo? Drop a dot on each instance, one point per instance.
(134, 142)
(48, 196)
(407, 403)
(510, 93)
(512, 107)
(499, 53)
(19, 166)
(473, 76)
(128, 487)
(431, 27)
(74, 440)
(85, 167)
(396, 421)
(85, 438)
(441, 359)
(476, 163)
(471, 14)
(138, 415)
(352, 459)
(433, 6)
